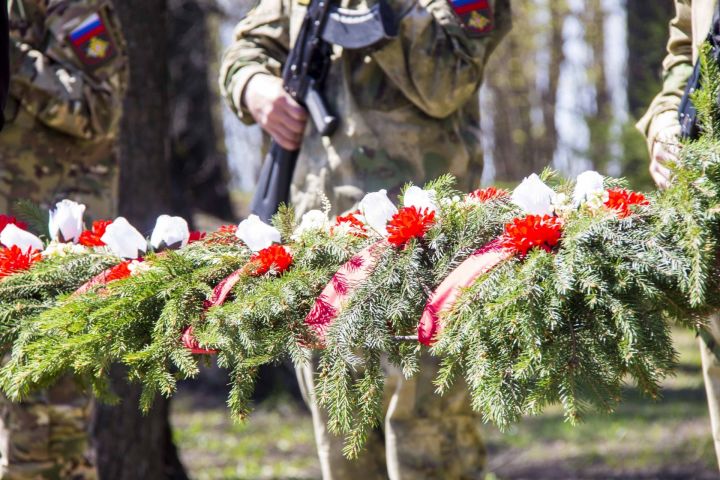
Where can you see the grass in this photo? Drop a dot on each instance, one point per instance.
(276, 443)
(666, 439)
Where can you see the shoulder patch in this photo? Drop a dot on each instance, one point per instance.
(476, 16)
(92, 42)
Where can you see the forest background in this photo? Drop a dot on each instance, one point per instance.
(564, 89)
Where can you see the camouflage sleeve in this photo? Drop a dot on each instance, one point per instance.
(261, 46)
(677, 68)
(439, 57)
(75, 81)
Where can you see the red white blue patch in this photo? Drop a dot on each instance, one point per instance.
(92, 42)
(476, 16)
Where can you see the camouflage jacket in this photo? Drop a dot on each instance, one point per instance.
(688, 30)
(409, 110)
(69, 75)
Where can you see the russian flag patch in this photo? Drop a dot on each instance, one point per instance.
(476, 16)
(92, 42)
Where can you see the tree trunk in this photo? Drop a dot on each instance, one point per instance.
(600, 120)
(130, 446)
(648, 36)
(525, 142)
(647, 27)
(199, 165)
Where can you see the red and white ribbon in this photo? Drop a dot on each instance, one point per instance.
(337, 292)
(464, 276)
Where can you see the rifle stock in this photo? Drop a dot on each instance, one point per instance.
(273, 187)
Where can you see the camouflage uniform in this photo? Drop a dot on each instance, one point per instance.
(69, 72)
(409, 111)
(65, 103)
(688, 30)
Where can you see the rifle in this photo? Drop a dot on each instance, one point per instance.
(687, 113)
(304, 73)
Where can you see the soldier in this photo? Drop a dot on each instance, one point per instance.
(69, 71)
(661, 126)
(68, 67)
(409, 111)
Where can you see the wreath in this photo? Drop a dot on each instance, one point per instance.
(555, 293)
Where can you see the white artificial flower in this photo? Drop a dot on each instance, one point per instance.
(137, 267)
(534, 197)
(596, 200)
(341, 229)
(124, 240)
(58, 249)
(561, 205)
(170, 232)
(257, 234)
(588, 184)
(312, 220)
(377, 209)
(14, 236)
(420, 199)
(66, 221)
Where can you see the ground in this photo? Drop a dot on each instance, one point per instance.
(666, 439)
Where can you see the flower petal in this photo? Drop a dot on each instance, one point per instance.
(13, 236)
(66, 221)
(377, 209)
(311, 220)
(257, 234)
(124, 240)
(170, 232)
(588, 184)
(420, 199)
(534, 197)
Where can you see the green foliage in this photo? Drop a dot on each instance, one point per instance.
(26, 294)
(388, 305)
(137, 321)
(36, 218)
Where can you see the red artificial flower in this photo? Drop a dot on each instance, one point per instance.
(13, 260)
(119, 272)
(196, 236)
(533, 231)
(487, 194)
(275, 257)
(227, 229)
(93, 237)
(622, 200)
(409, 223)
(357, 227)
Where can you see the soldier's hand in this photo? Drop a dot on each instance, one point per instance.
(665, 150)
(275, 110)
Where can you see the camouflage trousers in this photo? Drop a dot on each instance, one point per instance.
(425, 436)
(710, 351)
(44, 178)
(96, 188)
(46, 437)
